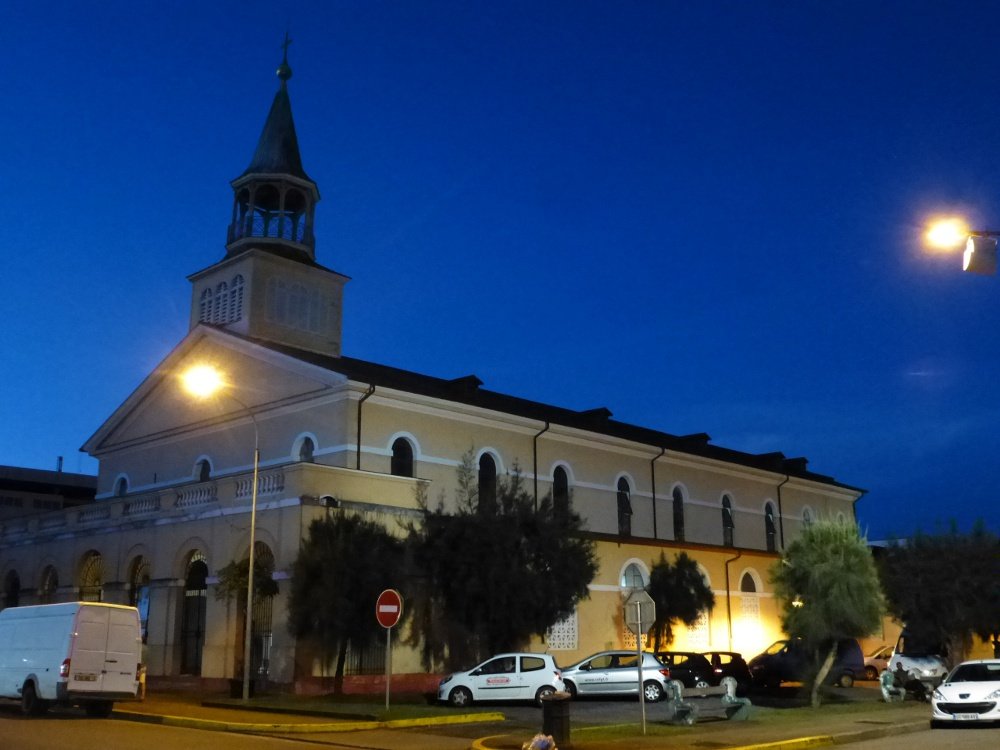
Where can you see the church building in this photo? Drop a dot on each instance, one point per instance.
(304, 430)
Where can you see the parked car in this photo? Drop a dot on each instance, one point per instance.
(504, 677)
(729, 664)
(617, 673)
(690, 669)
(970, 693)
(877, 662)
(920, 659)
(790, 661)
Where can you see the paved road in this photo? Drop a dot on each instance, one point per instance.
(973, 738)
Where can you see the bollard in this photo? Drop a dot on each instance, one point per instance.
(555, 718)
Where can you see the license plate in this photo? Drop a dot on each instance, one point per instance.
(83, 677)
(967, 717)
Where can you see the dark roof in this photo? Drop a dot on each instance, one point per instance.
(73, 487)
(278, 148)
(468, 390)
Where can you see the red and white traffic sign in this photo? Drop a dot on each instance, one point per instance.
(389, 608)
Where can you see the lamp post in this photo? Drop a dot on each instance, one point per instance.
(204, 381)
(980, 244)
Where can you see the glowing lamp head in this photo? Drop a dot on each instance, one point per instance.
(202, 381)
(947, 234)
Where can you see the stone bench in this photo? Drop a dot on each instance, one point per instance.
(688, 705)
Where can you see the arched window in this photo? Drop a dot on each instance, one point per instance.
(221, 309)
(678, 514)
(560, 492)
(193, 615)
(487, 484)
(205, 306)
(624, 508)
(633, 577)
(11, 589)
(236, 299)
(307, 451)
(138, 591)
(48, 585)
(728, 526)
(91, 582)
(401, 464)
(121, 487)
(770, 531)
(203, 470)
(747, 584)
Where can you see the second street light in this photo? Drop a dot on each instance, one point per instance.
(204, 381)
(980, 254)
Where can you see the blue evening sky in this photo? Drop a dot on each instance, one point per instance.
(703, 215)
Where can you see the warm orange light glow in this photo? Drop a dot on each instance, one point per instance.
(948, 234)
(202, 380)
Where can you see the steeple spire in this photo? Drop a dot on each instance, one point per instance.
(274, 197)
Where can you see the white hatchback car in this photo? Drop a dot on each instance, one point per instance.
(504, 677)
(970, 693)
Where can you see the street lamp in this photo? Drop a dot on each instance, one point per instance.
(980, 254)
(204, 381)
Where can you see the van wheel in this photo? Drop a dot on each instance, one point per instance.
(99, 709)
(871, 673)
(31, 704)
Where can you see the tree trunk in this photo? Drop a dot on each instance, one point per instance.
(338, 675)
(824, 670)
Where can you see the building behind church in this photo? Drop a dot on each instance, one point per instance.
(342, 435)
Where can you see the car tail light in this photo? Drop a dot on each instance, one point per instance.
(64, 668)
(665, 671)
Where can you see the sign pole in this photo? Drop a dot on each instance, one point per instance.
(638, 653)
(388, 664)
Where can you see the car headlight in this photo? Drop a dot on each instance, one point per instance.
(936, 695)
(995, 695)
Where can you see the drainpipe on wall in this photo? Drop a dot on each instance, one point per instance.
(729, 606)
(369, 392)
(652, 476)
(534, 451)
(781, 514)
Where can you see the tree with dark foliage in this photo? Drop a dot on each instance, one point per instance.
(945, 588)
(491, 578)
(680, 593)
(342, 567)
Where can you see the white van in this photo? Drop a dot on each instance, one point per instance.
(921, 661)
(78, 653)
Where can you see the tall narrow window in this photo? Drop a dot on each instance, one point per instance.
(487, 484)
(221, 309)
(205, 306)
(401, 464)
(11, 590)
(193, 614)
(203, 470)
(306, 450)
(769, 528)
(624, 508)
(48, 586)
(560, 493)
(236, 299)
(632, 577)
(121, 487)
(138, 591)
(728, 526)
(678, 514)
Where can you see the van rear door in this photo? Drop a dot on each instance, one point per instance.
(122, 655)
(90, 638)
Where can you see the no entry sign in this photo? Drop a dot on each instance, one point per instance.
(388, 608)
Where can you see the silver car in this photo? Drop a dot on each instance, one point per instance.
(617, 673)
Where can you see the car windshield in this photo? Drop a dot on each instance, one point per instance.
(878, 651)
(776, 648)
(976, 673)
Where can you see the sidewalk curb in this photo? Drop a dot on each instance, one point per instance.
(276, 728)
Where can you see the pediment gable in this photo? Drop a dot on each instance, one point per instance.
(258, 377)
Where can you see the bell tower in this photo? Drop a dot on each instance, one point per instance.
(268, 285)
